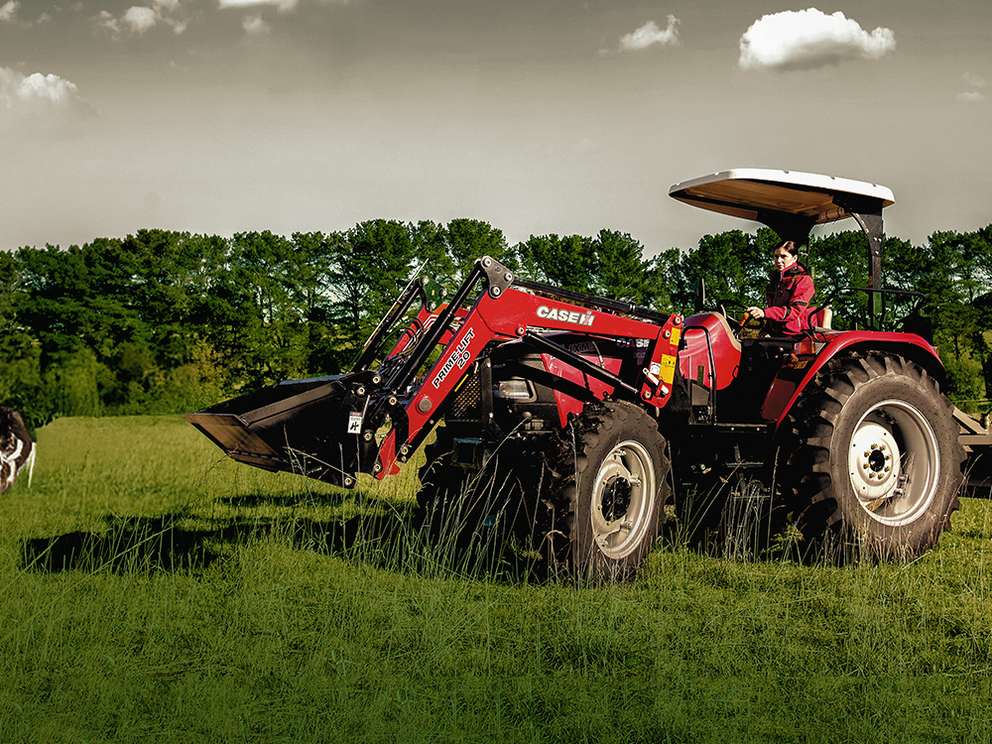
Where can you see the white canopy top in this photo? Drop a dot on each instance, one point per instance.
(752, 193)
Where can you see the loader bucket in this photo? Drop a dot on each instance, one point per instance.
(297, 426)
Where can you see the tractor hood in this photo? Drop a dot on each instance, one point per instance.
(773, 196)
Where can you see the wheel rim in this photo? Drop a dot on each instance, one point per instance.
(894, 463)
(622, 494)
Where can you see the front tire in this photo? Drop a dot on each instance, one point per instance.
(875, 459)
(610, 480)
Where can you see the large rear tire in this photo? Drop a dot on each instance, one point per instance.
(607, 487)
(873, 466)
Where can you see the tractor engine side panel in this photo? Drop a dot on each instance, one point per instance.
(568, 404)
(548, 390)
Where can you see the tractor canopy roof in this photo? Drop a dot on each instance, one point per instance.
(792, 202)
(775, 197)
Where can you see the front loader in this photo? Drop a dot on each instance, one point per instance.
(586, 415)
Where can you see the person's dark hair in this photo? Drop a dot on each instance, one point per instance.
(789, 245)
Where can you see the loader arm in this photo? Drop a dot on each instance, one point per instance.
(503, 313)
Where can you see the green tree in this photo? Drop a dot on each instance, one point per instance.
(566, 261)
(370, 265)
(734, 266)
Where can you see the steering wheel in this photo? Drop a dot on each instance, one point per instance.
(737, 326)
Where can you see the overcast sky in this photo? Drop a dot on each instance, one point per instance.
(536, 115)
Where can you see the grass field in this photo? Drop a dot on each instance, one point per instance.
(150, 588)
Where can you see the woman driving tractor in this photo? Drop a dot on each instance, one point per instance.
(790, 288)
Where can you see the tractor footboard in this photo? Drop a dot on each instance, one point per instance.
(306, 427)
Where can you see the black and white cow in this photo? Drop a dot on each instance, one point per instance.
(17, 449)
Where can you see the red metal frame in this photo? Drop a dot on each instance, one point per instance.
(508, 315)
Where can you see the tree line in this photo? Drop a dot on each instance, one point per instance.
(165, 322)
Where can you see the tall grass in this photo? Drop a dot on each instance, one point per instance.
(150, 588)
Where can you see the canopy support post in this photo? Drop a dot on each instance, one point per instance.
(874, 228)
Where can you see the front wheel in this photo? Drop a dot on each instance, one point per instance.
(875, 457)
(610, 482)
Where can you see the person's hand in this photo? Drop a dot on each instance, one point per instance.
(756, 312)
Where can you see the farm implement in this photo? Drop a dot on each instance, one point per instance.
(588, 415)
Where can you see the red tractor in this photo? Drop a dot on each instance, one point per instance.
(589, 415)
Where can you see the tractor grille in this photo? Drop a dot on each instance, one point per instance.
(468, 402)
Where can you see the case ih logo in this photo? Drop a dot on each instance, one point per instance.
(459, 356)
(567, 316)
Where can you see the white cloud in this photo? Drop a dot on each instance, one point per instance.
(48, 87)
(105, 19)
(804, 39)
(283, 6)
(18, 90)
(8, 10)
(649, 34)
(139, 18)
(254, 25)
(971, 96)
(974, 83)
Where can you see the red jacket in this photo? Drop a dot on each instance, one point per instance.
(787, 298)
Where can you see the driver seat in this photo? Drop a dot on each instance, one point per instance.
(819, 318)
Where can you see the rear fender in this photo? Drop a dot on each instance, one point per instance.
(790, 382)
